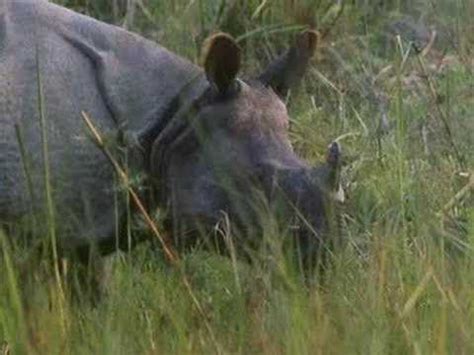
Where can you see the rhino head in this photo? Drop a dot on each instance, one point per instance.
(230, 143)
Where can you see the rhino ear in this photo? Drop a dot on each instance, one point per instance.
(222, 60)
(288, 69)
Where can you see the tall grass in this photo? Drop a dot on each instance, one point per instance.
(402, 281)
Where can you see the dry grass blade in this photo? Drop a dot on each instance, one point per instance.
(456, 199)
(171, 255)
(259, 9)
(5, 349)
(339, 11)
(416, 294)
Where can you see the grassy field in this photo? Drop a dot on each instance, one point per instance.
(403, 280)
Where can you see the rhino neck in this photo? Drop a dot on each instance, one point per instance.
(173, 118)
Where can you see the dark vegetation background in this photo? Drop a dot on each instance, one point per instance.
(393, 81)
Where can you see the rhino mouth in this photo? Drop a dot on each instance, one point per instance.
(191, 231)
(297, 202)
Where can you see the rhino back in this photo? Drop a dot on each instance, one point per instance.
(81, 64)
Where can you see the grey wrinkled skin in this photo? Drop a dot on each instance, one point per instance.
(204, 139)
(118, 78)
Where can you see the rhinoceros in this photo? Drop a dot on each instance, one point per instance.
(205, 140)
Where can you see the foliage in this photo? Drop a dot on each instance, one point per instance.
(402, 281)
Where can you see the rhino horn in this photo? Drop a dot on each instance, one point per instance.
(288, 69)
(328, 175)
(222, 60)
(333, 155)
(334, 162)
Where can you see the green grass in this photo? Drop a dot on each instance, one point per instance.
(403, 280)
